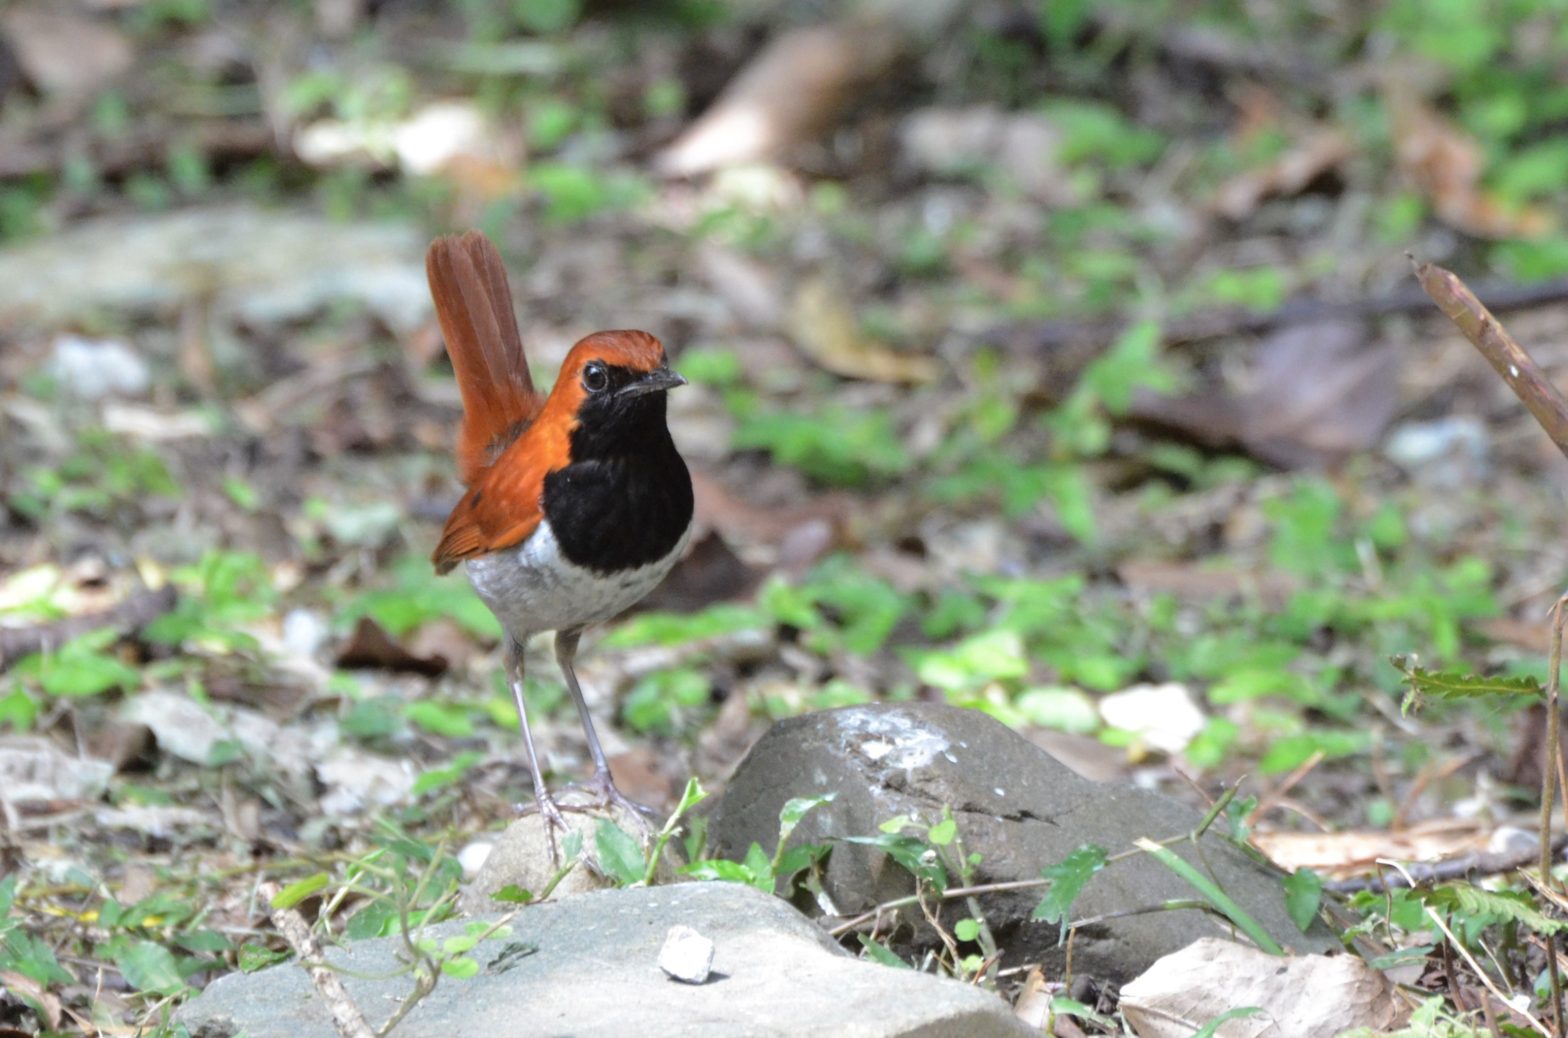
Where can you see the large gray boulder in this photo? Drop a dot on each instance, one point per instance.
(588, 966)
(1016, 806)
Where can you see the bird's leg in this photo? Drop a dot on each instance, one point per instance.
(543, 802)
(602, 786)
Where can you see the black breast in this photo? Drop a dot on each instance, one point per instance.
(626, 501)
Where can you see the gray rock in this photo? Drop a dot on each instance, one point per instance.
(587, 966)
(1016, 806)
(521, 857)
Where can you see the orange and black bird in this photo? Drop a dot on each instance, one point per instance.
(578, 503)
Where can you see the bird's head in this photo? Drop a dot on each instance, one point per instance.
(614, 385)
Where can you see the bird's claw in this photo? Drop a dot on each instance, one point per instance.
(596, 795)
(546, 808)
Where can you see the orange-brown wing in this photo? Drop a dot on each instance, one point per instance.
(474, 306)
(503, 504)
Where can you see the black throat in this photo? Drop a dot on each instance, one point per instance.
(625, 500)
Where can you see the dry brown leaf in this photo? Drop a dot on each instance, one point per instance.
(1355, 851)
(1300, 996)
(1321, 394)
(371, 646)
(791, 92)
(822, 323)
(64, 52)
(29, 990)
(446, 640)
(1445, 164)
(35, 770)
(1034, 1000)
(1319, 152)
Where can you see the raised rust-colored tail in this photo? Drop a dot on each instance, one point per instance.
(474, 306)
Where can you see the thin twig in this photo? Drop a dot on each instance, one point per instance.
(1282, 790)
(1485, 978)
(876, 912)
(347, 1018)
(1483, 863)
(1507, 357)
(1549, 787)
(1227, 321)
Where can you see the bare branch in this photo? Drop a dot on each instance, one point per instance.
(346, 1016)
(1506, 356)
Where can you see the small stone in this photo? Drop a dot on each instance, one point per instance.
(304, 632)
(96, 368)
(687, 956)
(473, 857)
(1447, 452)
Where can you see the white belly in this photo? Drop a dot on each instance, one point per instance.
(533, 587)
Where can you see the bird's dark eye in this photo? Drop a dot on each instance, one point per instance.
(595, 378)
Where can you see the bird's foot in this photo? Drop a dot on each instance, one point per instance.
(597, 795)
(549, 811)
(602, 789)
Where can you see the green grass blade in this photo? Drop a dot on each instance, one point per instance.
(1214, 895)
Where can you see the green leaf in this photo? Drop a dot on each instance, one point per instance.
(619, 856)
(797, 808)
(440, 778)
(1449, 685)
(1211, 1028)
(546, 16)
(1068, 878)
(720, 869)
(1213, 894)
(760, 866)
(909, 851)
(995, 655)
(462, 967)
(299, 890)
(943, 832)
(84, 666)
(459, 944)
(1303, 895)
(876, 951)
(966, 929)
(147, 966)
(798, 857)
(512, 894)
(1486, 907)
(451, 720)
(1061, 1005)
(253, 957)
(31, 957)
(18, 711)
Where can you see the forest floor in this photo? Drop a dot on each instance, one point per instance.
(1066, 367)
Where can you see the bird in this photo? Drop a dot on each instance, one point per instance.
(577, 503)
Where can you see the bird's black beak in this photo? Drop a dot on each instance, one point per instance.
(658, 380)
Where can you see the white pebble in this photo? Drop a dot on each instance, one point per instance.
(687, 956)
(473, 857)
